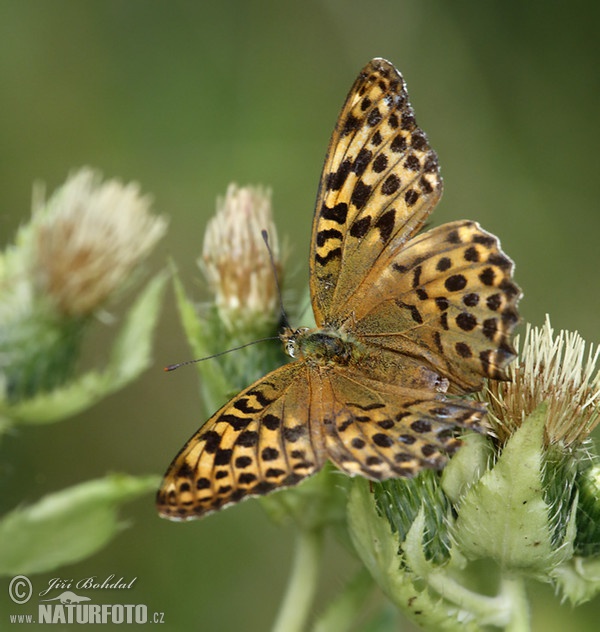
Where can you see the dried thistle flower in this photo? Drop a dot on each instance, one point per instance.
(80, 246)
(235, 259)
(552, 369)
(89, 236)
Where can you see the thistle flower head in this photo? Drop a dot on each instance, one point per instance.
(235, 259)
(88, 237)
(557, 370)
(80, 246)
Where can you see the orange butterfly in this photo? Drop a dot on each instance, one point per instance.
(402, 320)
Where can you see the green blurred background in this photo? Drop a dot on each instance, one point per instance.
(185, 97)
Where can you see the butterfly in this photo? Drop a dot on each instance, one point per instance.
(405, 321)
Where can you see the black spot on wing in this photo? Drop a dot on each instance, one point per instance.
(269, 454)
(411, 197)
(372, 406)
(398, 145)
(415, 314)
(351, 124)
(247, 439)
(236, 422)
(212, 439)
(380, 163)
(336, 179)
(335, 253)
(386, 224)
(337, 214)
(361, 194)
(455, 283)
(360, 227)
(242, 404)
(362, 161)
(412, 163)
(323, 236)
(271, 422)
(390, 185)
(419, 140)
(374, 117)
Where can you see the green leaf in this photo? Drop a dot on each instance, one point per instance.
(132, 351)
(215, 387)
(466, 466)
(67, 526)
(130, 355)
(504, 516)
(419, 592)
(578, 579)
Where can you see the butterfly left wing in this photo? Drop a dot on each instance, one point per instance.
(380, 181)
(258, 442)
(382, 430)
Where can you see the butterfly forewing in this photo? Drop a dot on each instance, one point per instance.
(258, 442)
(379, 183)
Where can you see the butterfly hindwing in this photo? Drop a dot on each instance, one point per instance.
(384, 430)
(380, 181)
(447, 297)
(258, 442)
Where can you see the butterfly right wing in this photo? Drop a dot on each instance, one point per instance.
(258, 442)
(447, 298)
(379, 184)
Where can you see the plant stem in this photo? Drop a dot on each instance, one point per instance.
(343, 612)
(487, 610)
(513, 590)
(302, 583)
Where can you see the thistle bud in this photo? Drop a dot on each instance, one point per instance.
(235, 260)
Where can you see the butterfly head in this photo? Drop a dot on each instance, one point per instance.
(290, 337)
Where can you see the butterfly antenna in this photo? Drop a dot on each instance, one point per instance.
(284, 317)
(172, 367)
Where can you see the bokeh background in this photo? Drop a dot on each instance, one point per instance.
(185, 97)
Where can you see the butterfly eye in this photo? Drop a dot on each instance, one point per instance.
(291, 340)
(291, 347)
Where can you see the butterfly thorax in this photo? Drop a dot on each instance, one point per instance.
(321, 346)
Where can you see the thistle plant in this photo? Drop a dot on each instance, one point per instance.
(518, 502)
(81, 250)
(523, 499)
